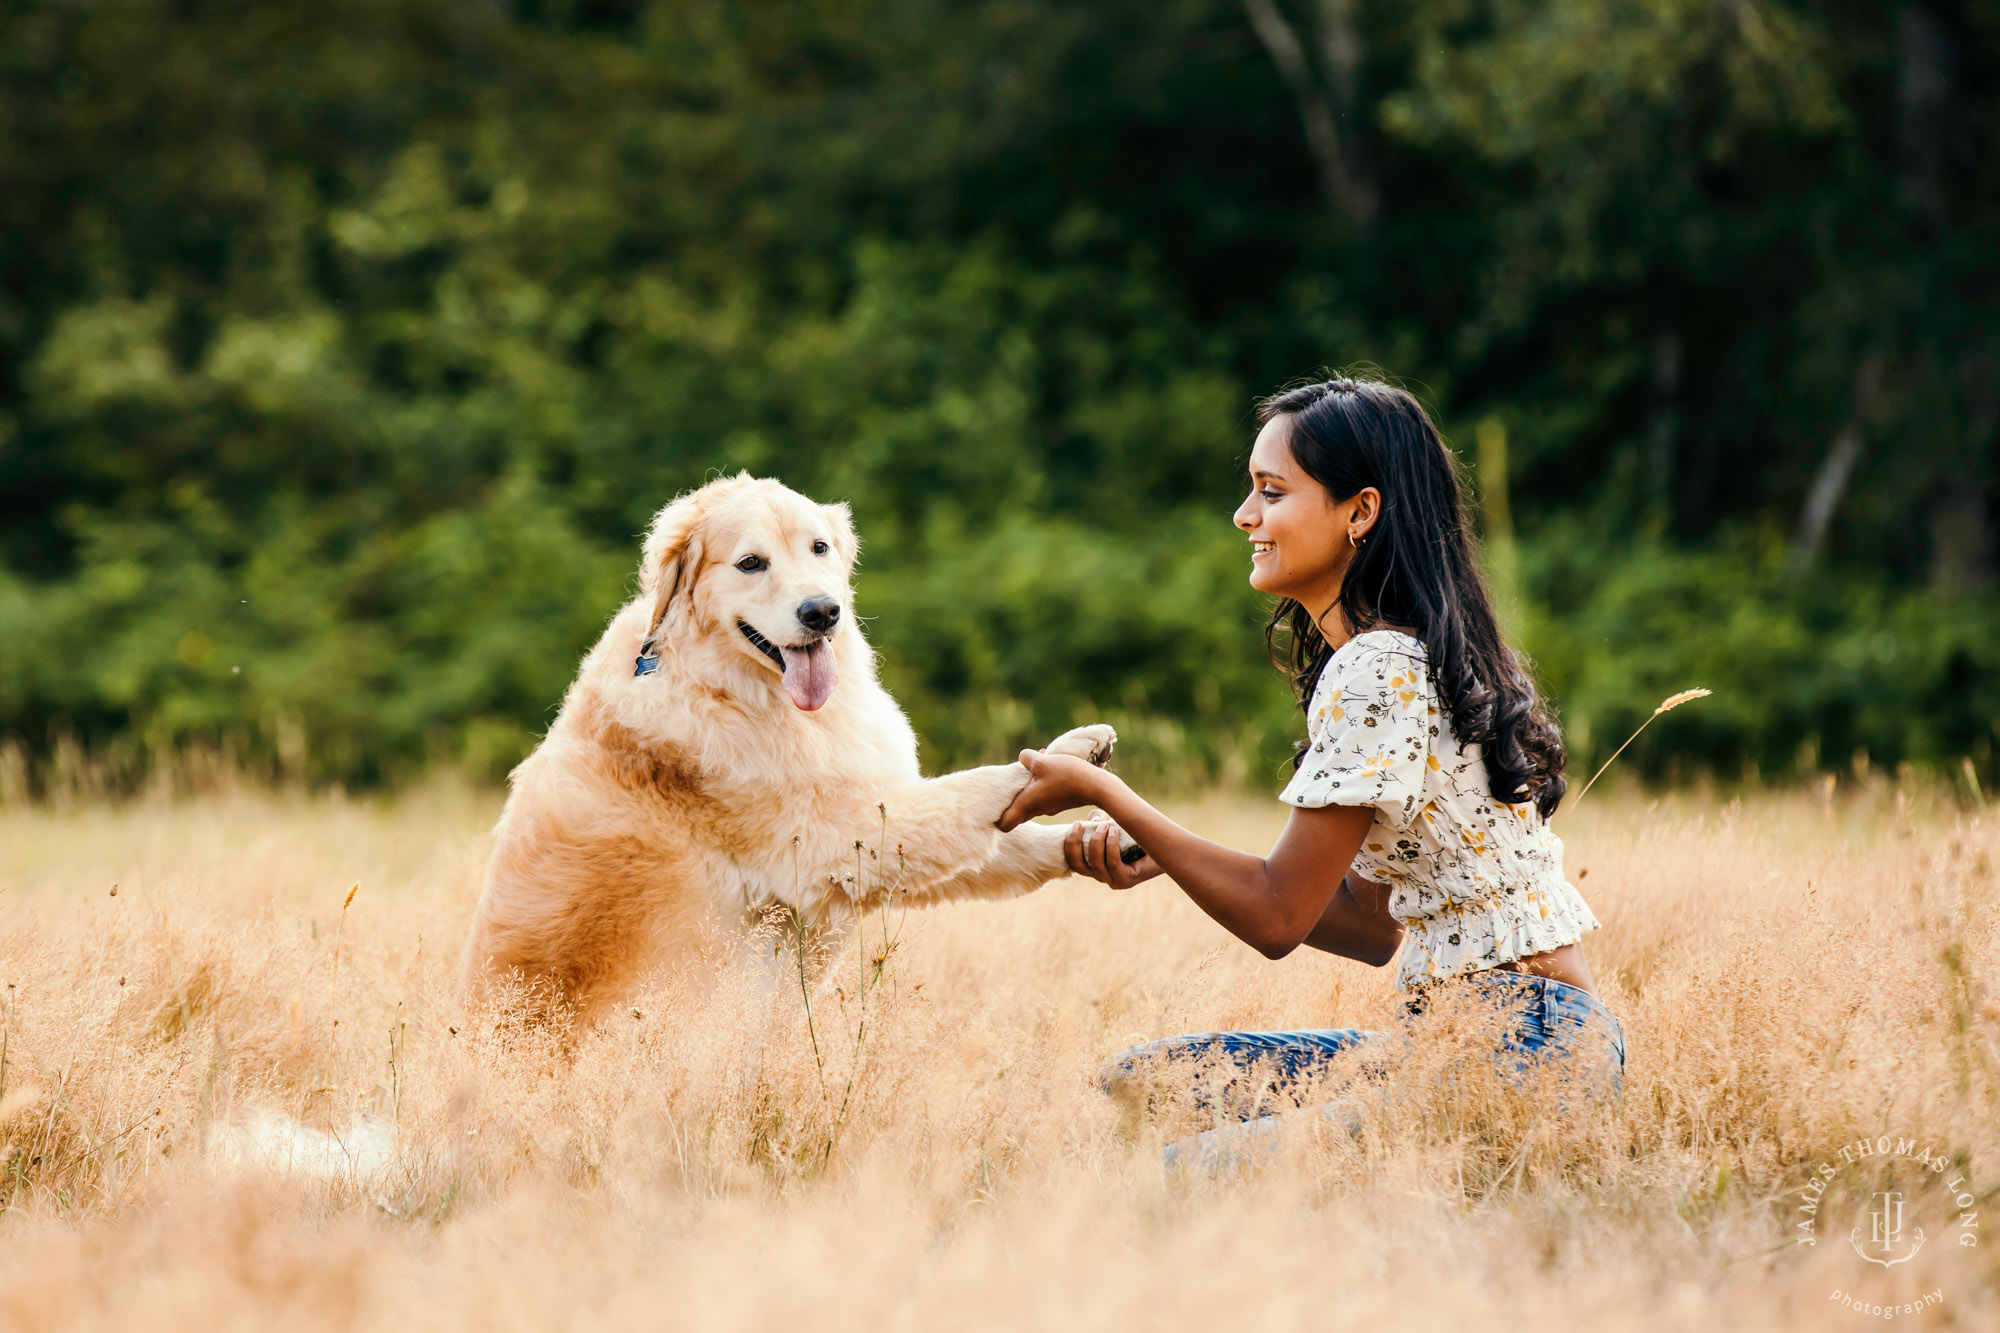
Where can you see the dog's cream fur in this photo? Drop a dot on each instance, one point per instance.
(662, 806)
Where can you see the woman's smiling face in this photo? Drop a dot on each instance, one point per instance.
(1301, 538)
(1298, 543)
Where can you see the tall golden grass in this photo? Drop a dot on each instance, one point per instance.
(1794, 972)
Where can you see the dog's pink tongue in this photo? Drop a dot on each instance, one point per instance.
(810, 674)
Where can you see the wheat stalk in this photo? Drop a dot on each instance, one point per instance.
(1667, 704)
(340, 930)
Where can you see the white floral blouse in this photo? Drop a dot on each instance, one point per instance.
(1475, 881)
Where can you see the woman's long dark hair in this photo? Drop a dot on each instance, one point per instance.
(1415, 569)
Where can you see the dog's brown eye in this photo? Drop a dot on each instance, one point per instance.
(820, 548)
(750, 564)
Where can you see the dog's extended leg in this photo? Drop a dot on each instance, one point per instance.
(1027, 858)
(934, 829)
(944, 832)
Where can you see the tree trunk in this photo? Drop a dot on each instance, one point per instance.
(1325, 100)
(1923, 96)
(1962, 517)
(1927, 115)
(1837, 468)
(1663, 430)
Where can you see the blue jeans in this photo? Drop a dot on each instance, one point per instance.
(1252, 1076)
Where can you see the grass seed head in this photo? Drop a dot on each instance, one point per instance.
(1676, 700)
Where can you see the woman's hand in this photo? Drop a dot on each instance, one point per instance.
(1093, 848)
(1057, 782)
(1272, 903)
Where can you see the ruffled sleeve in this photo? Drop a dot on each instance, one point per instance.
(1371, 721)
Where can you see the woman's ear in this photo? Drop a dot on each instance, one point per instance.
(1366, 513)
(672, 558)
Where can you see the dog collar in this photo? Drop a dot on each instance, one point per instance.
(645, 664)
(763, 645)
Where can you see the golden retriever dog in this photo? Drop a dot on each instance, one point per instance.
(726, 749)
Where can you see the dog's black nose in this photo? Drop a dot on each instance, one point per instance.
(819, 613)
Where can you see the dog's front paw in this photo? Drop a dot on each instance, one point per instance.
(1092, 743)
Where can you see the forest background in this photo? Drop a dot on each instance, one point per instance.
(346, 349)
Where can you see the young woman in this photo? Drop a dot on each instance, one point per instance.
(1422, 795)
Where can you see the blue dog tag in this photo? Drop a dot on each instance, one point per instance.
(645, 664)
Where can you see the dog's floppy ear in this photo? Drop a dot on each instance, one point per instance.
(844, 539)
(672, 558)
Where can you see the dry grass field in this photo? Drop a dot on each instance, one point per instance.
(1795, 973)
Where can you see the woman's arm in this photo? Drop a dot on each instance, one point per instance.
(1273, 903)
(1357, 923)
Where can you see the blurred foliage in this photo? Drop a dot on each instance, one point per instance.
(345, 349)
